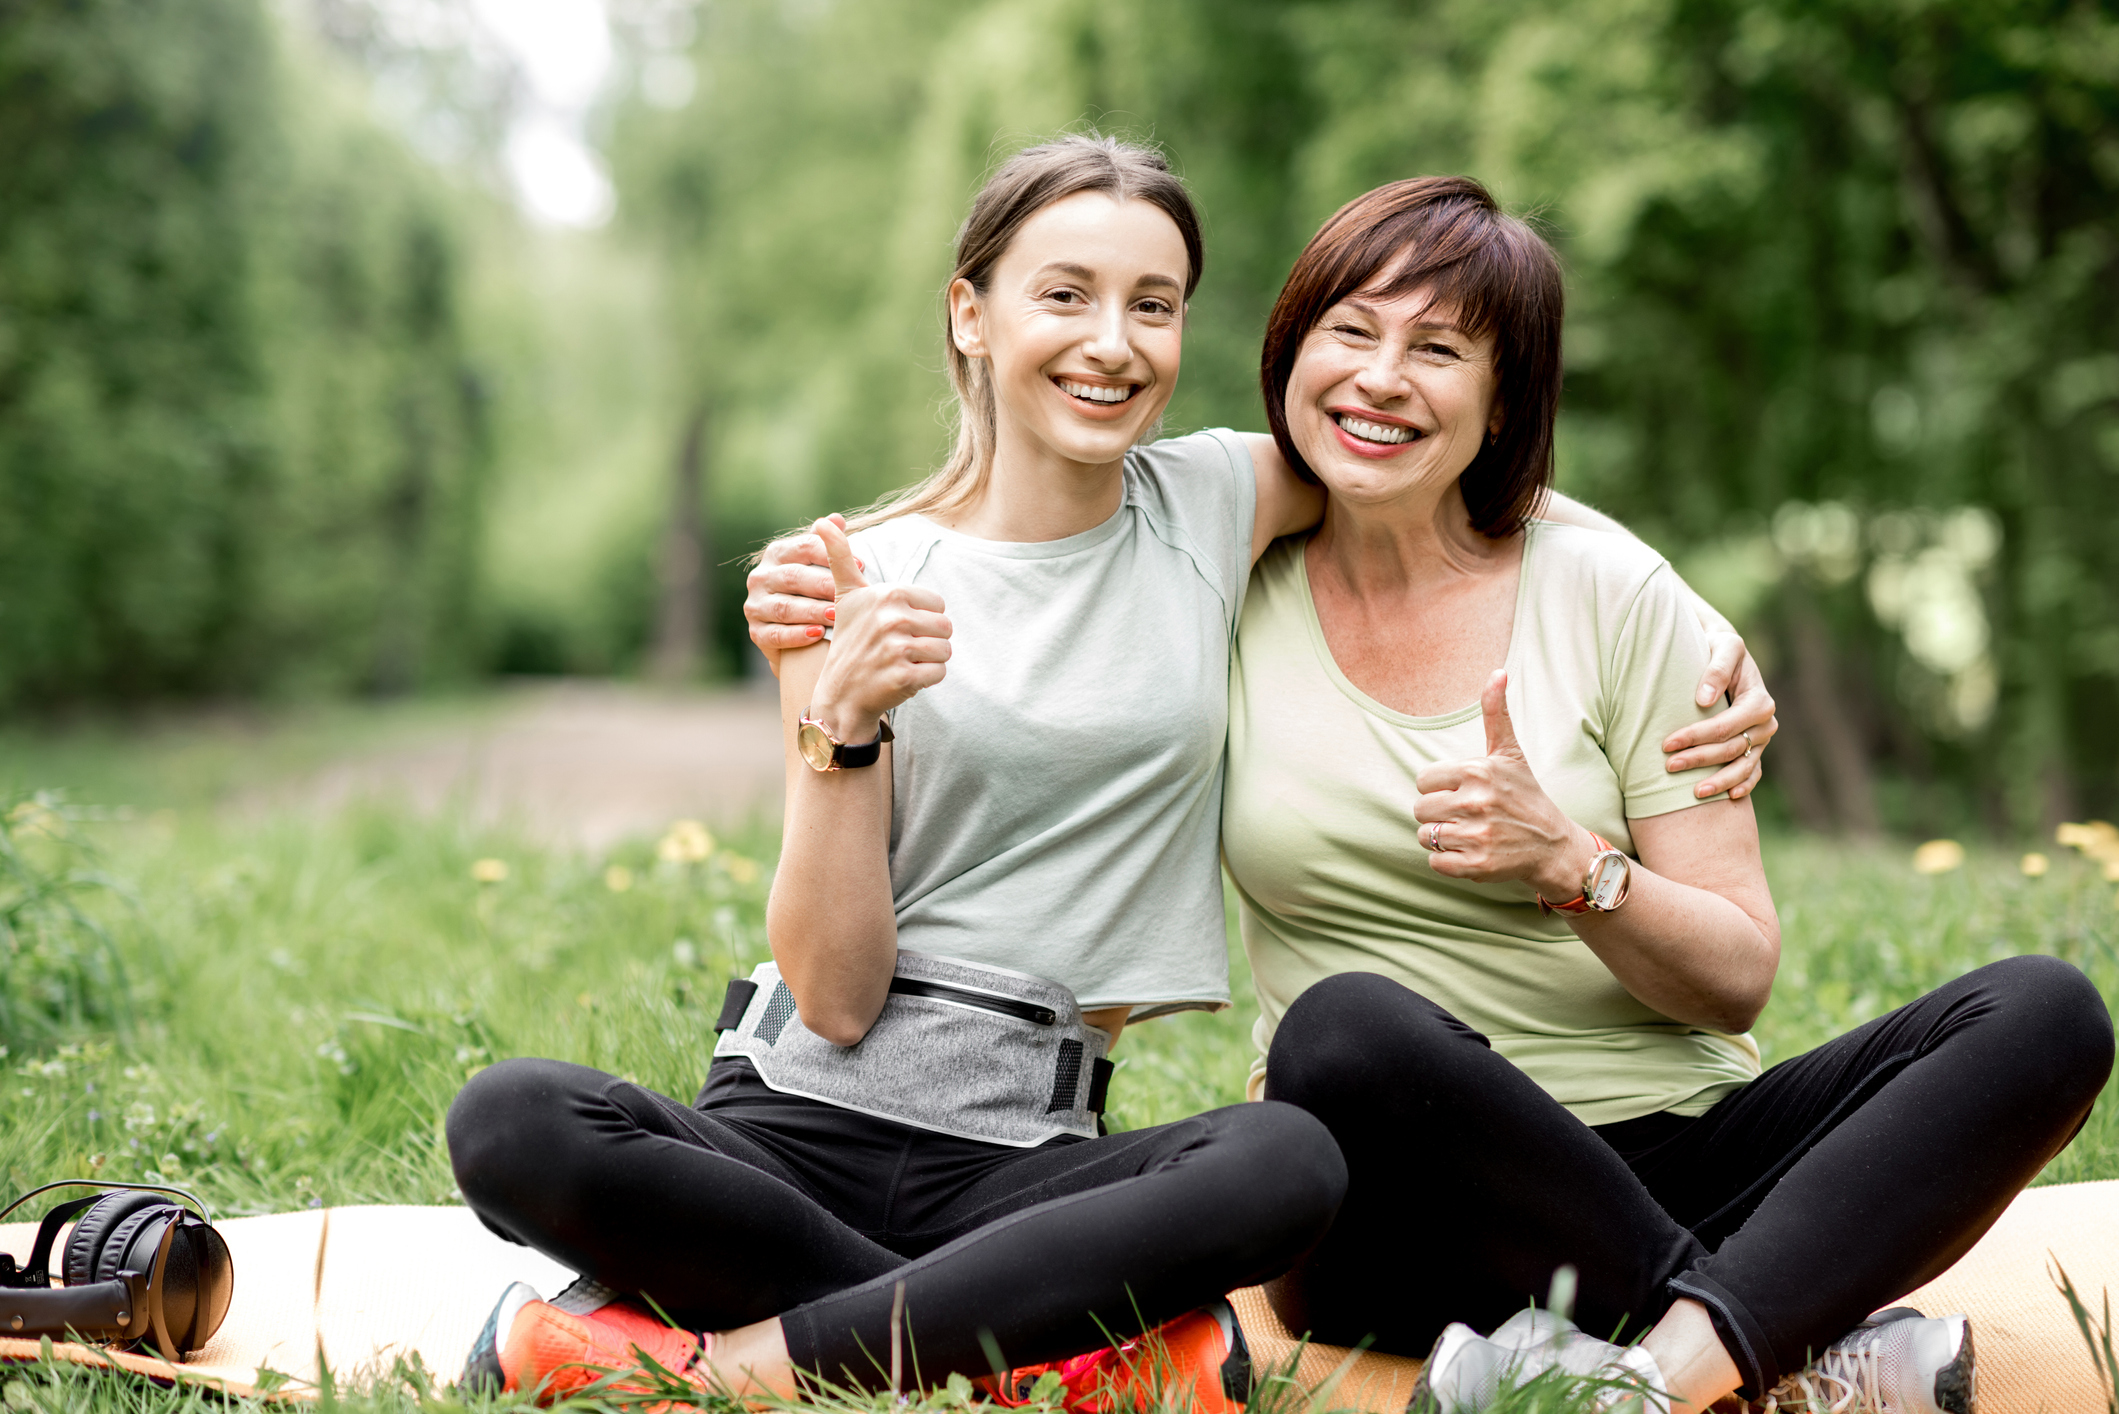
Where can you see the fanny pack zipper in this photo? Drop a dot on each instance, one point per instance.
(983, 1001)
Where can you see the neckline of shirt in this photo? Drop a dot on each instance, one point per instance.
(1106, 529)
(1299, 567)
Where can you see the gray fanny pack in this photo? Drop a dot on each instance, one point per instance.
(978, 1052)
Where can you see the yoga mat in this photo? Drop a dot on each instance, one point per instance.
(368, 1284)
(363, 1286)
(2031, 1358)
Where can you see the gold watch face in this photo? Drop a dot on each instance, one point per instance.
(816, 747)
(1607, 881)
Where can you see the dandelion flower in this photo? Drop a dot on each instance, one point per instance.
(1938, 857)
(743, 871)
(618, 878)
(490, 871)
(2035, 865)
(686, 843)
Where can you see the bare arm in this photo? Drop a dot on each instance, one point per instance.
(830, 920)
(1286, 503)
(1697, 937)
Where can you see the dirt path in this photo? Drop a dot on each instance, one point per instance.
(579, 763)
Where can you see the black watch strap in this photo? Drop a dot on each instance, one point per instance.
(849, 758)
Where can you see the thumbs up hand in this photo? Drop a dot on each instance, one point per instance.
(891, 641)
(1488, 819)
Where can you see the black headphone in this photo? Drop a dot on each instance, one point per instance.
(136, 1265)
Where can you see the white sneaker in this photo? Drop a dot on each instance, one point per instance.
(1896, 1362)
(1467, 1372)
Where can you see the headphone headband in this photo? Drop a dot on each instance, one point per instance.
(109, 1187)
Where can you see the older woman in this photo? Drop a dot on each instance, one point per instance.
(1509, 959)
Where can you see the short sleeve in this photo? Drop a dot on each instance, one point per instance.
(1201, 494)
(892, 551)
(1656, 662)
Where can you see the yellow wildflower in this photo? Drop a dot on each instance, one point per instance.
(686, 843)
(1938, 857)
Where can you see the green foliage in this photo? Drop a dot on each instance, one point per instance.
(59, 973)
(239, 444)
(2097, 1335)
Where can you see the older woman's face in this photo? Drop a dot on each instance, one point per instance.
(1390, 399)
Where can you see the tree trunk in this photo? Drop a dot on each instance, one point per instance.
(1825, 717)
(1793, 765)
(682, 586)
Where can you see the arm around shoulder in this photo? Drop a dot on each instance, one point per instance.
(1286, 503)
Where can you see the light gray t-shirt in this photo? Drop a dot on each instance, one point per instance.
(1056, 798)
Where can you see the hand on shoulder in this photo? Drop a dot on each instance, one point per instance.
(890, 642)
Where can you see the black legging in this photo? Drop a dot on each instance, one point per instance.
(1834, 1183)
(751, 1204)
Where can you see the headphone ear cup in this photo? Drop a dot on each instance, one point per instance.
(92, 1232)
(215, 1281)
(131, 1244)
(198, 1281)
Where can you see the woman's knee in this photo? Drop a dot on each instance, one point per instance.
(511, 1121)
(2061, 1018)
(1358, 1033)
(1285, 1169)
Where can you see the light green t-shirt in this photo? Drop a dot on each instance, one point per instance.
(1318, 828)
(1056, 798)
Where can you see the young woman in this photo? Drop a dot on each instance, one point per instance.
(1508, 959)
(897, 1146)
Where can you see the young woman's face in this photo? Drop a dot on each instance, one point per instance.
(1391, 397)
(1082, 324)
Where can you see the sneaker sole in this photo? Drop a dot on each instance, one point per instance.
(1236, 1367)
(482, 1372)
(1957, 1383)
(1422, 1400)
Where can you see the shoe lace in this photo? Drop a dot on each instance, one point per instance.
(1832, 1385)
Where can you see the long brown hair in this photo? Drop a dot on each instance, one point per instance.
(1446, 234)
(1024, 185)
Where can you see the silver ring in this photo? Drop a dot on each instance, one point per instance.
(1434, 838)
(1750, 746)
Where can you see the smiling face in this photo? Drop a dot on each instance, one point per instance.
(1391, 398)
(1082, 326)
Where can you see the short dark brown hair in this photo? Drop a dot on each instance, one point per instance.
(1497, 275)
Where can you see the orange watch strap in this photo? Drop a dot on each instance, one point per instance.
(1579, 904)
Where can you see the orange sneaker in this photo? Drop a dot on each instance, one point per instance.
(528, 1344)
(1197, 1362)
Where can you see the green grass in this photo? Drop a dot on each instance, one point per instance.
(301, 998)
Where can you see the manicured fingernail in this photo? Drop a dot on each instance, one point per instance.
(813, 632)
(831, 615)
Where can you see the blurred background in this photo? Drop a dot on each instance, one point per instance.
(355, 350)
